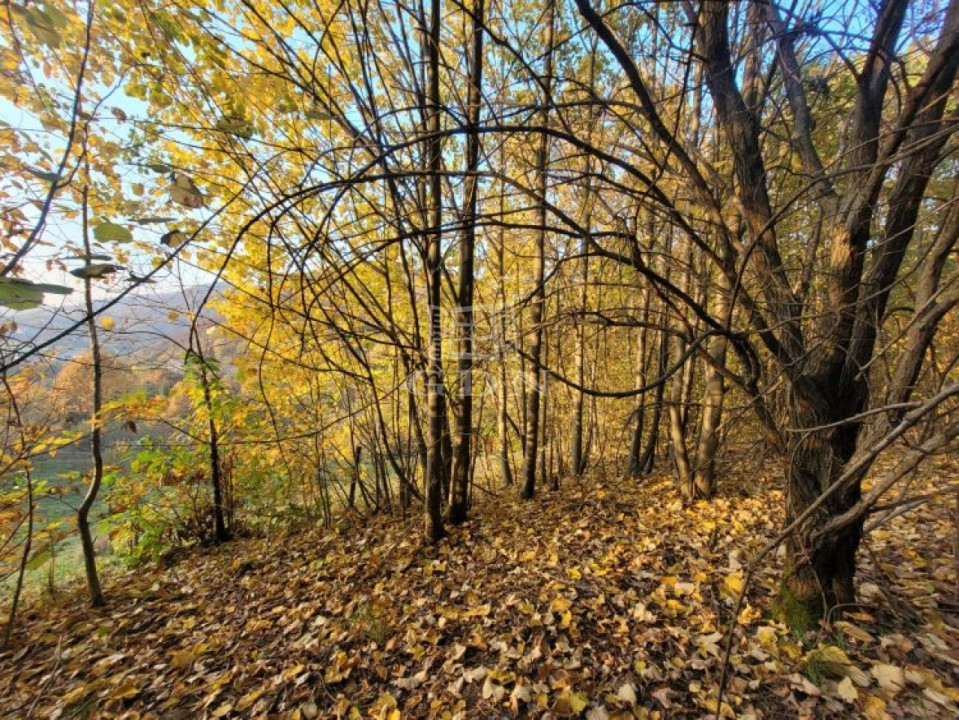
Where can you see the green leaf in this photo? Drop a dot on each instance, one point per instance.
(18, 294)
(42, 23)
(319, 114)
(159, 168)
(111, 232)
(95, 271)
(236, 125)
(91, 257)
(134, 278)
(50, 177)
(52, 289)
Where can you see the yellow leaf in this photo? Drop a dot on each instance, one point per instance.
(627, 693)
(246, 702)
(79, 693)
(847, 691)
(889, 677)
(107, 323)
(725, 710)
(182, 660)
(339, 670)
(734, 584)
(569, 704)
(874, 708)
(479, 611)
(128, 689)
(829, 660)
(561, 604)
(854, 631)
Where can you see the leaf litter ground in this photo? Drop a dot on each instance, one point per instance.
(607, 600)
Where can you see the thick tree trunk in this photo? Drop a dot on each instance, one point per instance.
(821, 567)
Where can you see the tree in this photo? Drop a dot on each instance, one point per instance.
(96, 425)
(465, 320)
(436, 397)
(534, 385)
(824, 359)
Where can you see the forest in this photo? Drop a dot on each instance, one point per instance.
(479, 359)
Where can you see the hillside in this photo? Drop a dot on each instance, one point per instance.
(147, 324)
(608, 600)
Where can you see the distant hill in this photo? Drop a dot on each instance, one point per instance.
(148, 325)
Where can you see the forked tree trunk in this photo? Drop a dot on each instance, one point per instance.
(648, 460)
(704, 472)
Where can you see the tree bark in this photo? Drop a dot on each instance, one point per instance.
(436, 399)
(459, 497)
(531, 445)
(83, 512)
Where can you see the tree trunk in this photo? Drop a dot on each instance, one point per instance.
(502, 395)
(634, 468)
(219, 526)
(648, 461)
(436, 400)
(677, 385)
(459, 497)
(704, 476)
(820, 567)
(83, 512)
(531, 446)
(577, 458)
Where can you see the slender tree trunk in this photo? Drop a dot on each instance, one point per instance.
(216, 475)
(31, 508)
(704, 477)
(634, 468)
(577, 459)
(436, 400)
(648, 460)
(502, 395)
(83, 512)
(677, 385)
(459, 497)
(531, 445)
(544, 438)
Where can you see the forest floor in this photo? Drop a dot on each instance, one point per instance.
(609, 599)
